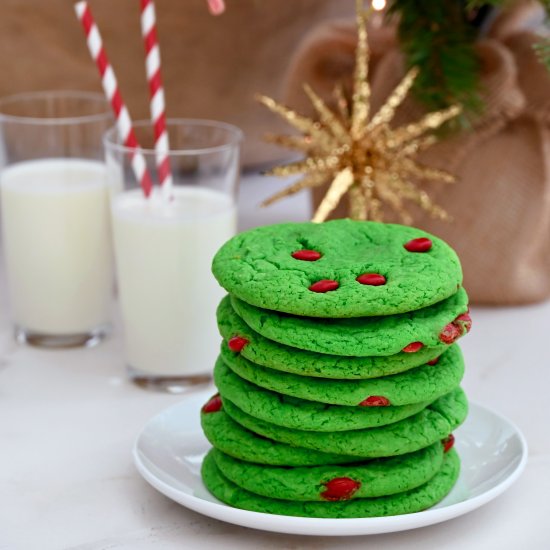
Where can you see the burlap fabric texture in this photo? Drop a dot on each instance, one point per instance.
(501, 202)
(212, 66)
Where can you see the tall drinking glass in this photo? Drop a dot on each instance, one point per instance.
(55, 216)
(164, 249)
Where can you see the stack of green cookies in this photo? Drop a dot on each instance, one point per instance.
(338, 373)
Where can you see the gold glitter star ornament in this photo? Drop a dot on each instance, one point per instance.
(360, 155)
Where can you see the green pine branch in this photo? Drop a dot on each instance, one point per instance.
(436, 37)
(439, 39)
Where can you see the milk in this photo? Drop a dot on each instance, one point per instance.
(55, 217)
(168, 295)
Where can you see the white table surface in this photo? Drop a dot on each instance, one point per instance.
(68, 420)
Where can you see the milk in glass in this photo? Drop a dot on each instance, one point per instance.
(168, 295)
(57, 244)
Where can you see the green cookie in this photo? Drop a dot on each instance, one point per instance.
(432, 424)
(231, 438)
(374, 478)
(425, 383)
(415, 500)
(268, 353)
(258, 267)
(352, 337)
(300, 414)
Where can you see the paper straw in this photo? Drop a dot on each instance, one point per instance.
(216, 7)
(112, 92)
(157, 102)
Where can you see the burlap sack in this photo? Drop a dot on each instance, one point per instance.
(212, 66)
(501, 202)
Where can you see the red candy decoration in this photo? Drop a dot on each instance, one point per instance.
(450, 333)
(413, 347)
(422, 244)
(307, 255)
(464, 321)
(237, 343)
(213, 405)
(324, 285)
(375, 401)
(340, 488)
(448, 443)
(433, 361)
(371, 279)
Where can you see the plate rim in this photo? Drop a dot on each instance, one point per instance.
(327, 526)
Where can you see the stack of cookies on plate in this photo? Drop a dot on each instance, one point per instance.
(338, 373)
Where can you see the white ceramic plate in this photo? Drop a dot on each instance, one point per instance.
(169, 451)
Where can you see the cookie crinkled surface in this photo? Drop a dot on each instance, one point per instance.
(424, 383)
(234, 440)
(259, 267)
(301, 414)
(432, 424)
(373, 478)
(415, 500)
(338, 377)
(364, 336)
(268, 353)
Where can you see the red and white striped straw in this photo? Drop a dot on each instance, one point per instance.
(157, 101)
(112, 92)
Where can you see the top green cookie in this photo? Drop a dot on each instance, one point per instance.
(316, 270)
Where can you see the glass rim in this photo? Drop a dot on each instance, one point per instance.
(234, 133)
(62, 120)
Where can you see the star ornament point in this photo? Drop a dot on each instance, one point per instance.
(359, 154)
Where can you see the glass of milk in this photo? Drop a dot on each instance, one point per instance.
(55, 217)
(164, 249)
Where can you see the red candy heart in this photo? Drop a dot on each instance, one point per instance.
(237, 343)
(422, 244)
(324, 285)
(214, 404)
(450, 333)
(413, 347)
(340, 488)
(371, 279)
(375, 401)
(448, 443)
(433, 361)
(306, 255)
(464, 321)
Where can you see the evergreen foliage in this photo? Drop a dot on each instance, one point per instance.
(439, 36)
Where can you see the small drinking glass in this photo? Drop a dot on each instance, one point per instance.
(164, 249)
(55, 217)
